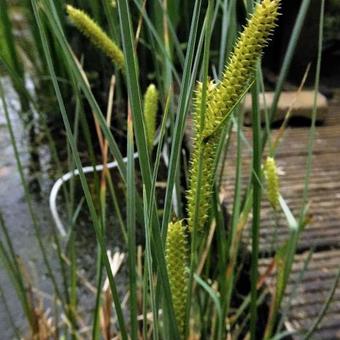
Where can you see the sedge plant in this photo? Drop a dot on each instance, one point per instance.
(170, 295)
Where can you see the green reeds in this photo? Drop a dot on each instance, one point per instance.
(8, 50)
(9, 54)
(89, 199)
(178, 291)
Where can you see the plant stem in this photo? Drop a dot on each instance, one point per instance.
(256, 208)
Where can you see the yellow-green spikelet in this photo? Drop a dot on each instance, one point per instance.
(207, 151)
(150, 111)
(221, 98)
(272, 179)
(240, 67)
(176, 258)
(96, 35)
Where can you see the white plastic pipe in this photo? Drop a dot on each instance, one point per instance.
(66, 177)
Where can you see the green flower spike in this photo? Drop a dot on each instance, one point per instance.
(273, 186)
(96, 35)
(150, 111)
(208, 151)
(220, 100)
(176, 258)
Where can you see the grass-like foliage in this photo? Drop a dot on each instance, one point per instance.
(183, 263)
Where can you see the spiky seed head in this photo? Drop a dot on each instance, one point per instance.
(219, 101)
(150, 112)
(207, 151)
(240, 67)
(176, 258)
(272, 179)
(96, 35)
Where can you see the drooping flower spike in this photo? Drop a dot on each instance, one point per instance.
(96, 35)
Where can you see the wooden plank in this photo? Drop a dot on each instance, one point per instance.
(303, 107)
(323, 231)
(324, 187)
(310, 294)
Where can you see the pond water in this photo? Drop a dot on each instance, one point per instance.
(40, 175)
(14, 208)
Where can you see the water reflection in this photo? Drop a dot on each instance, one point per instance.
(13, 205)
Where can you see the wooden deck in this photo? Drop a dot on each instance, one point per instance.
(323, 231)
(324, 187)
(310, 294)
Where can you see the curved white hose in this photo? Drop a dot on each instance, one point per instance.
(66, 177)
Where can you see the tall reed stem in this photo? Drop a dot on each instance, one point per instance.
(256, 173)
